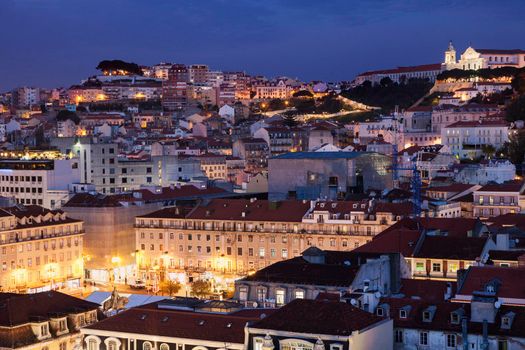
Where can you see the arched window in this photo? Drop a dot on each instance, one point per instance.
(147, 346)
(164, 346)
(92, 342)
(112, 343)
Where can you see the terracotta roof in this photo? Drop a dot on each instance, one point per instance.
(441, 320)
(478, 123)
(420, 68)
(395, 241)
(299, 271)
(457, 248)
(428, 290)
(318, 317)
(455, 188)
(258, 210)
(510, 186)
(500, 52)
(17, 309)
(508, 220)
(506, 255)
(150, 320)
(512, 281)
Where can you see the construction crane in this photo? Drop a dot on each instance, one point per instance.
(416, 176)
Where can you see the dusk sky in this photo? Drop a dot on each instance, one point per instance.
(50, 43)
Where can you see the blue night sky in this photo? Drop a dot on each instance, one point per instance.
(52, 43)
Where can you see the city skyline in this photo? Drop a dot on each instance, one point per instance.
(280, 39)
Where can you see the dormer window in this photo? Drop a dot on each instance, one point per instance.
(380, 311)
(490, 288)
(454, 318)
(44, 330)
(402, 314)
(506, 320)
(427, 316)
(62, 325)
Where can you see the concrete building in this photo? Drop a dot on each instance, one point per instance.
(42, 182)
(330, 175)
(468, 139)
(499, 199)
(174, 89)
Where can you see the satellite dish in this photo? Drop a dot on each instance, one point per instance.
(497, 304)
(377, 294)
(254, 305)
(353, 302)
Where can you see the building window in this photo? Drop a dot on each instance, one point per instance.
(402, 314)
(279, 297)
(420, 267)
(164, 346)
(147, 346)
(243, 293)
(423, 338)
(261, 294)
(336, 347)
(258, 343)
(398, 336)
(296, 345)
(503, 344)
(451, 340)
(380, 311)
(436, 267)
(299, 294)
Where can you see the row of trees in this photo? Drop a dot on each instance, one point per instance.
(387, 94)
(484, 73)
(199, 288)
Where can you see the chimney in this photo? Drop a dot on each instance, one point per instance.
(448, 293)
(502, 241)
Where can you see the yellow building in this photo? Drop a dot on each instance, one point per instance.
(40, 250)
(233, 237)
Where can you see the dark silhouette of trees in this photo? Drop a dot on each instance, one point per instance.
(117, 66)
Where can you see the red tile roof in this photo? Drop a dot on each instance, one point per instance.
(258, 210)
(510, 186)
(318, 317)
(18, 309)
(150, 320)
(512, 281)
(428, 290)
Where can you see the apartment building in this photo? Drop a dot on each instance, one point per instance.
(499, 199)
(446, 115)
(236, 236)
(269, 90)
(174, 89)
(42, 182)
(467, 139)
(254, 151)
(41, 250)
(435, 248)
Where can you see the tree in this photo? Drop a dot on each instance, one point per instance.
(289, 120)
(514, 149)
(64, 115)
(170, 287)
(119, 66)
(385, 82)
(488, 150)
(330, 104)
(303, 93)
(276, 104)
(516, 110)
(518, 83)
(200, 288)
